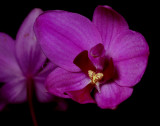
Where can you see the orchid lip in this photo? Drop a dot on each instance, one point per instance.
(97, 76)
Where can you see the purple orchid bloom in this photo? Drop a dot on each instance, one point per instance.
(98, 62)
(23, 66)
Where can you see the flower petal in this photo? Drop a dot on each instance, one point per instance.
(83, 62)
(97, 56)
(112, 95)
(131, 71)
(109, 23)
(9, 68)
(109, 70)
(82, 96)
(45, 71)
(28, 51)
(41, 92)
(129, 52)
(15, 91)
(63, 35)
(60, 81)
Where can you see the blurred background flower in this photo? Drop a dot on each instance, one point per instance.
(24, 68)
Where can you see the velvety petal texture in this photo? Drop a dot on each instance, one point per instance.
(109, 23)
(9, 68)
(54, 29)
(129, 51)
(28, 51)
(61, 81)
(112, 95)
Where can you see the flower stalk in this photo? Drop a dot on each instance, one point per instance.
(30, 100)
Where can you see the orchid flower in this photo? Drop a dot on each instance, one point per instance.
(23, 66)
(98, 61)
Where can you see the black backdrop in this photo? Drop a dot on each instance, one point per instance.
(141, 16)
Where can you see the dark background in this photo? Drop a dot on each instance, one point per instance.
(142, 16)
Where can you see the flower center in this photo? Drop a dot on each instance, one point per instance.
(89, 64)
(95, 77)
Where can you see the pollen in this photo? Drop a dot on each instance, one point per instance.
(95, 77)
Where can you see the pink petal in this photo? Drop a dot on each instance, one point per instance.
(63, 35)
(97, 51)
(83, 95)
(112, 95)
(129, 52)
(97, 56)
(61, 81)
(29, 54)
(131, 71)
(9, 68)
(45, 71)
(109, 23)
(15, 91)
(41, 92)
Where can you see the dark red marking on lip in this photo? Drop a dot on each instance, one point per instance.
(84, 63)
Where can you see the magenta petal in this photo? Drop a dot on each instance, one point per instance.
(112, 95)
(131, 71)
(41, 92)
(82, 96)
(97, 56)
(28, 51)
(63, 35)
(45, 71)
(9, 68)
(129, 52)
(15, 91)
(97, 51)
(109, 23)
(60, 81)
